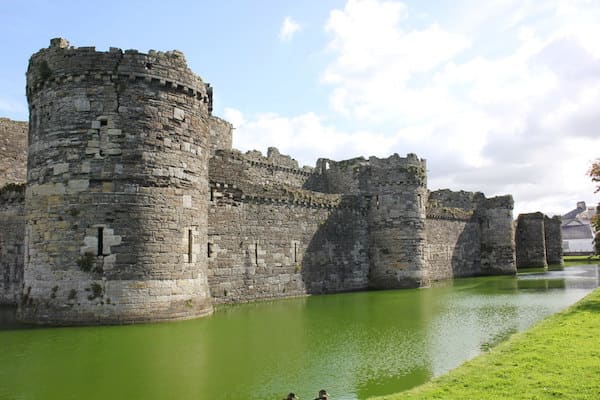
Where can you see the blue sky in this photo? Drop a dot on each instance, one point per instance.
(501, 96)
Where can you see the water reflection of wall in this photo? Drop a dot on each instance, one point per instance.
(472, 316)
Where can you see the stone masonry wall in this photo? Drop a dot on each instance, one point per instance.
(397, 236)
(117, 192)
(221, 134)
(553, 240)
(284, 244)
(13, 151)
(468, 235)
(453, 235)
(253, 169)
(497, 235)
(530, 241)
(12, 242)
(453, 248)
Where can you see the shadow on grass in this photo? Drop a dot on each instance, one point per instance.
(592, 305)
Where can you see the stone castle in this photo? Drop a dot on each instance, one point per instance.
(136, 208)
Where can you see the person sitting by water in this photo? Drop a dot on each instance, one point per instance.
(292, 396)
(323, 395)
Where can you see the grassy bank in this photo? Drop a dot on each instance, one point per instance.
(578, 260)
(558, 358)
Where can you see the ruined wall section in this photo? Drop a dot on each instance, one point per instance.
(221, 134)
(497, 235)
(13, 151)
(469, 235)
(280, 242)
(453, 235)
(397, 195)
(252, 169)
(117, 199)
(530, 241)
(12, 242)
(553, 240)
(346, 176)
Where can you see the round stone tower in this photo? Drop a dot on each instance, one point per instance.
(397, 237)
(117, 187)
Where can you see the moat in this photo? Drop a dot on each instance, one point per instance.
(356, 345)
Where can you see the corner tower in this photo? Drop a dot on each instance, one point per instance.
(117, 187)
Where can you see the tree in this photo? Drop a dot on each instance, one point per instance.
(594, 173)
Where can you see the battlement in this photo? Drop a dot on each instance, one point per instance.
(62, 63)
(462, 205)
(224, 193)
(221, 134)
(503, 202)
(372, 175)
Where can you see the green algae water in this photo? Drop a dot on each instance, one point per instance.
(355, 345)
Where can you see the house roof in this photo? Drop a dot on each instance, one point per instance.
(572, 232)
(573, 214)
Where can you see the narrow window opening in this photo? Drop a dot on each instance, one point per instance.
(212, 194)
(377, 201)
(419, 200)
(100, 241)
(295, 252)
(209, 250)
(256, 253)
(190, 245)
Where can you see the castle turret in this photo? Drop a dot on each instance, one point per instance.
(553, 239)
(117, 187)
(530, 241)
(398, 190)
(497, 235)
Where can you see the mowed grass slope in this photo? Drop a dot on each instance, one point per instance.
(559, 358)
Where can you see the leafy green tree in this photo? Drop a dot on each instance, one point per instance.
(594, 173)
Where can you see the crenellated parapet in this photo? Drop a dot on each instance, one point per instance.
(62, 63)
(395, 171)
(221, 134)
(253, 168)
(223, 193)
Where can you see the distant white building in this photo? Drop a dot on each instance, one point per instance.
(577, 230)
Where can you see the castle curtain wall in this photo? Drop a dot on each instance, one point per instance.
(276, 247)
(12, 243)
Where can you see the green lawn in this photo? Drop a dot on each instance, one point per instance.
(578, 260)
(559, 358)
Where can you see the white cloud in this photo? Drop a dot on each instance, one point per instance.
(503, 101)
(305, 137)
(288, 29)
(519, 119)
